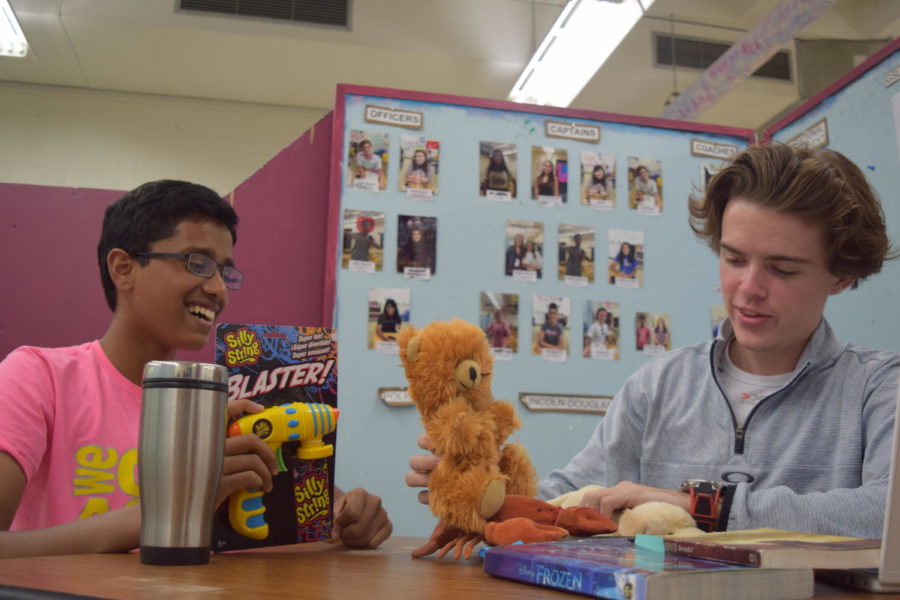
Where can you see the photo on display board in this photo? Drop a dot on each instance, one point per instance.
(717, 315)
(499, 318)
(601, 330)
(549, 175)
(652, 333)
(363, 241)
(576, 254)
(497, 165)
(416, 246)
(550, 327)
(419, 159)
(367, 160)
(645, 185)
(524, 259)
(388, 311)
(598, 180)
(626, 258)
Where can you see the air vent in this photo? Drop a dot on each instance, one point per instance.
(700, 54)
(318, 12)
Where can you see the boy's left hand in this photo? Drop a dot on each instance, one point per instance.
(360, 521)
(248, 461)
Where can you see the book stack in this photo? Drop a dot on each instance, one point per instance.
(780, 548)
(752, 564)
(614, 568)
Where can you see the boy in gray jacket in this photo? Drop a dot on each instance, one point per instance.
(776, 423)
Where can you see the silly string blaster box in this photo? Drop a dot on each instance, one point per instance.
(292, 372)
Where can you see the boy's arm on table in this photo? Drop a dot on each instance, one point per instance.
(248, 463)
(115, 531)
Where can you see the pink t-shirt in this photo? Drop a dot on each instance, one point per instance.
(498, 331)
(71, 421)
(643, 337)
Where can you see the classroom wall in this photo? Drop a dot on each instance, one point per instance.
(862, 115)
(71, 137)
(48, 249)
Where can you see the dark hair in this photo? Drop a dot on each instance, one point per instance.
(412, 160)
(151, 212)
(594, 179)
(502, 166)
(629, 258)
(551, 306)
(551, 176)
(823, 187)
(390, 302)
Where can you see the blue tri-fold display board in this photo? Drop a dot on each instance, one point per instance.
(417, 218)
(859, 116)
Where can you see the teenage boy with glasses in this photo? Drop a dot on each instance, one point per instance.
(71, 415)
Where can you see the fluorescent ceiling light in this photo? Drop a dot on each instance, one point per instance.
(12, 40)
(582, 38)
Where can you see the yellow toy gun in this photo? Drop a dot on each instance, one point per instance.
(304, 422)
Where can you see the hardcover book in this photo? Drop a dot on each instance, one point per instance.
(780, 548)
(292, 372)
(614, 568)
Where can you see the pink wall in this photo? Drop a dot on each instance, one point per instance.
(52, 294)
(281, 237)
(51, 284)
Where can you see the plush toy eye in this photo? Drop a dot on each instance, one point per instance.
(412, 349)
(468, 374)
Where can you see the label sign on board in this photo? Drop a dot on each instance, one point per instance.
(814, 137)
(394, 116)
(713, 149)
(572, 131)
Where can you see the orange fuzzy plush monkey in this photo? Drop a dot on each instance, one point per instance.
(448, 365)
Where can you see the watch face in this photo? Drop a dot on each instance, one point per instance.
(697, 483)
(690, 483)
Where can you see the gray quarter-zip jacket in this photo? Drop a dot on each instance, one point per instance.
(813, 456)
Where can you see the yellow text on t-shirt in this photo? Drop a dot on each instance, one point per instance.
(99, 473)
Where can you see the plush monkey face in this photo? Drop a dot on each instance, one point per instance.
(444, 360)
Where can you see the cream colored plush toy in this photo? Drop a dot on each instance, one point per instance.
(652, 518)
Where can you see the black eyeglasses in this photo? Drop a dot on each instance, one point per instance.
(202, 265)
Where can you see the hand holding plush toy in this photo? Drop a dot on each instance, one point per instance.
(482, 487)
(448, 366)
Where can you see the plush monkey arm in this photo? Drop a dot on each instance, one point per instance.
(505, 420)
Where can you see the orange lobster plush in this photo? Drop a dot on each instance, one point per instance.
(448, 366)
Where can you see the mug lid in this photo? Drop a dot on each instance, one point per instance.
(171, 370)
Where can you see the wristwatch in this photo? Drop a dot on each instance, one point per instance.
(706, 502)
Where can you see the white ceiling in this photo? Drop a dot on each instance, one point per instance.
(466, 47)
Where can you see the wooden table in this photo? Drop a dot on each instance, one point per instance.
(308, 571)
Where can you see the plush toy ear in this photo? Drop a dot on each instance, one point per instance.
(412, 349)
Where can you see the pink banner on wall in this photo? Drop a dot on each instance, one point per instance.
(746, 55)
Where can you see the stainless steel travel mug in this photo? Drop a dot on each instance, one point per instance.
(180, 453)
